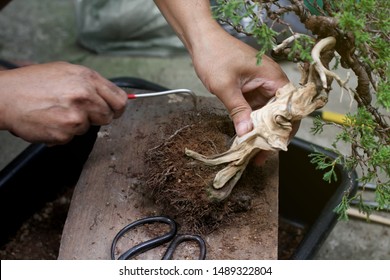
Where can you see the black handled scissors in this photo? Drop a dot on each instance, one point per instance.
(171, 235)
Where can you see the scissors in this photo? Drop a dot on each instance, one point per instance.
(170, 236)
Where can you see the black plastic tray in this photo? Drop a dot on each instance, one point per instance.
(39, 173)
(306, 201)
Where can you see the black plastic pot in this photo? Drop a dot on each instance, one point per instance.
(39, 173)
(306, 201)
(37, 176)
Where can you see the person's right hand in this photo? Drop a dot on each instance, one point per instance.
(53, 102)
(228, 68)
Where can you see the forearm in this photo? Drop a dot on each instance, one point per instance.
(4, 96)
(192, 20)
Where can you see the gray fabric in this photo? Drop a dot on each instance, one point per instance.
(125, 27)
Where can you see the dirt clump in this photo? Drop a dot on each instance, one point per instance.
(182, 185)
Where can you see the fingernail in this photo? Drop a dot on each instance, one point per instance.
(243, 127)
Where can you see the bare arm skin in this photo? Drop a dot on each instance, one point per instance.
(53, 102)
(225, 65)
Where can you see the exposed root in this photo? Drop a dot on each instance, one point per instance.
(323, 72)
(170, 137)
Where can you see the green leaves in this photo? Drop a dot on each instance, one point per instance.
(318, 125)
(232, 11)
(368, 21)
(384, 94)
(323, 162)
(382, 195)
(244, 17)
(264, 35)
(342, 208)
(301, 48)
(380, 158)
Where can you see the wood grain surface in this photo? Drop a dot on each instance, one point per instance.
(107, 198)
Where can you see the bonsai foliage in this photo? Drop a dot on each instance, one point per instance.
(361, 29)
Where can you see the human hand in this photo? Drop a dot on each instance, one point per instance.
(53, 102)
(226, 66)
(228, 69)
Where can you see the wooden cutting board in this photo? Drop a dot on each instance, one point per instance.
(106, 198)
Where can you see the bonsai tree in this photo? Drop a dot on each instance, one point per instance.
(352, 34)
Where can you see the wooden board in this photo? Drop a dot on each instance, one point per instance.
(106, 198)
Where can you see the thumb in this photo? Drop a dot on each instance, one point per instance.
(239, 110)
(242, 122)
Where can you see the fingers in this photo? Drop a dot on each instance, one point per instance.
(100, 99)
(98, 103)
(112, 97)
(239, 110)
(115, 98)
(241, 119)
(62, 100)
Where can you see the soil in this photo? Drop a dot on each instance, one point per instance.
(183, 185)
(289, 237)
(39, 237)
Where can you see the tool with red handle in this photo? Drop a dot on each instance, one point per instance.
(161, 93)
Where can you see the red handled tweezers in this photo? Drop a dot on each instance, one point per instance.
(161, 93)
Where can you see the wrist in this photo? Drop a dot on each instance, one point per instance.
(202, 35)
(191, 20)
